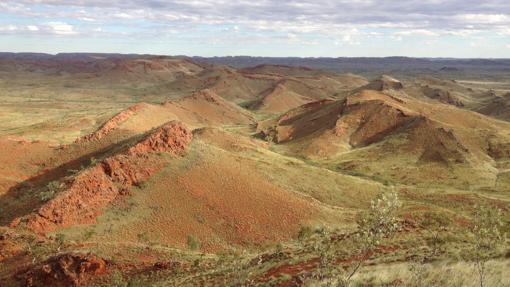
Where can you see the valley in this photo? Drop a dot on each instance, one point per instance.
(140, 170)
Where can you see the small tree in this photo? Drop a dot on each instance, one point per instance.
(323, 246)
(487, 237)
(378, 222)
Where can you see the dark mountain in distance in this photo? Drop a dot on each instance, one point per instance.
(373, 66)
(366, 66)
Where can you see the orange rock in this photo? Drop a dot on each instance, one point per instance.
(65, 270)
(96, 187)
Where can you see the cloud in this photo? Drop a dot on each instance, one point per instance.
(9, 28)
(61, 28)
(342, 22)
(415, 14)
(55, 28)
(124, 15)
(484, 18)
(417, 32)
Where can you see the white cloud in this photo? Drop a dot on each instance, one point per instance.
(461, 32)
(484, 18)
(61, 28)
(344, 22)
(9, 28)
(87, 19)
(123, 15)
(417, 32)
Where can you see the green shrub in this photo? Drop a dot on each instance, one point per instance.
(305, 232)
(60, 239)
(193, 242)
(52, 188)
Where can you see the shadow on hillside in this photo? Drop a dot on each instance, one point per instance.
(22, 198)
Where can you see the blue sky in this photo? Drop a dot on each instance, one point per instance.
(320, 28)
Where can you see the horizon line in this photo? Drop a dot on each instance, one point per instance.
(252, 56)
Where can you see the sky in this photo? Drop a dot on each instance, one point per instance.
(297, 28)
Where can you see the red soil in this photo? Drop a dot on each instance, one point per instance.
(228, 141)
(221, 200)
(280, 99)
(290, 269)
(20, 160)
(85, 194)
(207, 108)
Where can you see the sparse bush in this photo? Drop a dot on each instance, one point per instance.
(378, 222)
(193, 242)
(143, 237)
(75, 171)
(418, 272)
(37, 250)
(88, 234)
(488, 236)
(52, 188)
(269, 138)
(322, 245)
(117, 280)
(305, 232)
(60, 239)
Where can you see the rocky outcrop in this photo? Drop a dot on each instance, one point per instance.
(436, 144)
(170, 138)
(64, 270)
(362, 120)
(371, 121)
(85, 194)
(384, 83)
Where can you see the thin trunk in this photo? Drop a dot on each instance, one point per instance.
(355, 269)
